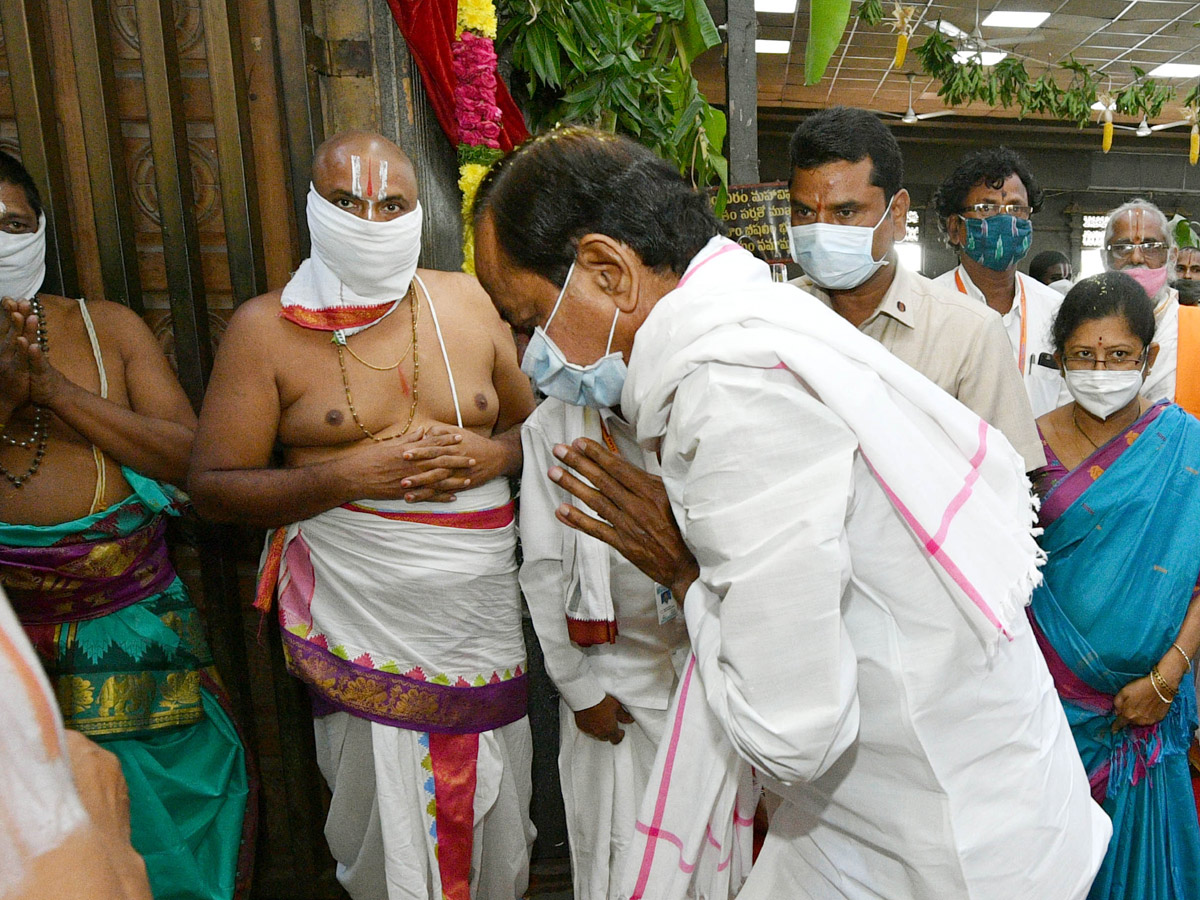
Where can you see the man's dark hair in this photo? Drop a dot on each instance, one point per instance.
(1101, 296)
(1044, 262)
(550, 192)
(12, 172)
(992, 167)
(844, 133)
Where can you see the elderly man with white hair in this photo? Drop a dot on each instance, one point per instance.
(1138, 242)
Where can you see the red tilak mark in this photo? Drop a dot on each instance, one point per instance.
(370, 189)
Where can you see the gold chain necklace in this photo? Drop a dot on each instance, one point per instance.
(403, 356)
(1086, 437)
(416, 380)
(41, 426)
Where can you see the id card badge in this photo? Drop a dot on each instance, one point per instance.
(664, 603)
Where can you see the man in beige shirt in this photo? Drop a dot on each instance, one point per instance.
(848, 209)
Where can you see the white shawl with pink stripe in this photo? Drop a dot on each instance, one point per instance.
(956, 481)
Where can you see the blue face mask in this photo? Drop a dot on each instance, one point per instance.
(998, 242)
(598, 384)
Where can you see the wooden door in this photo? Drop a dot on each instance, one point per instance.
(156, 132)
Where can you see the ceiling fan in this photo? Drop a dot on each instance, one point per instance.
(911, 116)
(973, 43)
(1145, 129)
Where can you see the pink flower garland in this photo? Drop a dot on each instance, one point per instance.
(475, 92)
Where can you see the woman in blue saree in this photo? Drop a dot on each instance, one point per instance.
(1117, 615)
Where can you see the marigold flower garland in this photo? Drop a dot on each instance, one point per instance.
(478, 116)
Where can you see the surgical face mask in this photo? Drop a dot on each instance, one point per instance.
(375, 261)
(598, 384)
(1102, 392)
(837, 257)
(997, 242)
(23, 262)
(1151, 280)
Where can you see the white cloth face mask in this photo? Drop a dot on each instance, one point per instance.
(371, 262)
(23, 262)
(1102, 392)
(837, 257)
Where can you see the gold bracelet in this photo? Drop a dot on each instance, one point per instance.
(1154, 685)
(1185, 656)
(1157, 681)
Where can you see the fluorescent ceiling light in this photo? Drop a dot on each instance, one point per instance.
(1176, 70)
(1003, 18)
(948, 28)
(983, 57)
(765, 46)
(775, 6)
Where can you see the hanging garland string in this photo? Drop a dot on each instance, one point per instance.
(1008, 84)
(478, 117)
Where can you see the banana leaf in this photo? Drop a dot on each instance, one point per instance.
(826, 22)
(696, 32)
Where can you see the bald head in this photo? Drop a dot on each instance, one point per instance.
(365, 174)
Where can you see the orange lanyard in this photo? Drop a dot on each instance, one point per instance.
(1022, 362)
(608, 438)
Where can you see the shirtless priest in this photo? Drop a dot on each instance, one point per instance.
(396, 398)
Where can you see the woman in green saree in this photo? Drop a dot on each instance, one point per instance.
(93, 429)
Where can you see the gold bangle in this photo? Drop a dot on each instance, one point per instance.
(1154, 685)
(1157, 681)
(1185, 656)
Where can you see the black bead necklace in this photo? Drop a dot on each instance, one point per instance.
(41, 427)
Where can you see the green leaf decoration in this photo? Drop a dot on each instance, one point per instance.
(1066, 91)
(1184, 235)
(622, 66)
(826, 23)
(696, 32)
(870, 12)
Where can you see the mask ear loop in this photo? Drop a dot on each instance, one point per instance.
(562, 293)
(611, 332)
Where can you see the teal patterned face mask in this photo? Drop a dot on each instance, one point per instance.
(998, 242)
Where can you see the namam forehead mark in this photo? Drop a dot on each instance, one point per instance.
(371, 163)
(1133, 225)
(376, 187)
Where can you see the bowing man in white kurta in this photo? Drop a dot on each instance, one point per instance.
(918, 758)
(851, 544)
(602, 782)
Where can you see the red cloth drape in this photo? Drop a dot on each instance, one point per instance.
(428, 29)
